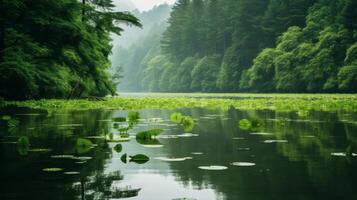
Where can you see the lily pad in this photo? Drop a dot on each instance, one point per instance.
(213, 167)
(82, 142)
(123, 158)
(243, 164)
(152, 145)
(139, 158)
(275, 141)
(23, 141)
(264, 134)
(71, 173)
(147, 135)
(244, 149)
(238, 138)
(245, 124)
(52, 169)
(187, 135)
(119, 119)
(63, 156)
(40, 150)
(173, 159)
(176, 117)
(118, 148)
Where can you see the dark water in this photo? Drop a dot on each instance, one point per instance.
(301, 166)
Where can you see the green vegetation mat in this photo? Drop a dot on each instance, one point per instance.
(278, 102)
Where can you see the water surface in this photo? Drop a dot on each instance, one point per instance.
(300, 157)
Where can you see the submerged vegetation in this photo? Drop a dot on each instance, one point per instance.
(278, 102)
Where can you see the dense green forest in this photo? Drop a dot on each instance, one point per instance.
(135, 44)
(251, 45)
(58, 48)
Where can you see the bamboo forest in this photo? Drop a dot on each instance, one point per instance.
(178, 99)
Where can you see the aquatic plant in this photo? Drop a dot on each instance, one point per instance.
(245, 124)
(83, 145)
(23, 141)
(254, 124)
(123, 158)
(118, 148)
(133, 116)
(187, 123)
(83, 142)
(213, 167)
(54, 169)
(176, 117)
(148, 135)
(139, 158)
(243, 164)
(119, 119)
(277, 102)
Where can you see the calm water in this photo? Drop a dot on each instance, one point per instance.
(296, 162)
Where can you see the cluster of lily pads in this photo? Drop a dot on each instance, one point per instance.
(280, 102)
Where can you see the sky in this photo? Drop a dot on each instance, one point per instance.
(148, 4)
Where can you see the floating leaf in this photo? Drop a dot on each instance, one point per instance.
(71, 173)
(82, 142)
(119, 119)
(146, 135)
(187, 123)
(139, 158)
(213, 167)
(173, 159)
(188, 135)
(118, 148)
(23, 141)
(6, 117)
(265, 134)
(40, 150)
(245, 124)
(153, 145)
(133, 116)
(243, 149)
(339, 154)
(176, 117)
(63, 156)
(52, 169)
(275, 141)
(123, 158)
(243, 164)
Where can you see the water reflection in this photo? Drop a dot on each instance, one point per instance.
(290, 156)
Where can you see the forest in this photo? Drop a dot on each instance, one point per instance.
(58, 48)
(289, 46)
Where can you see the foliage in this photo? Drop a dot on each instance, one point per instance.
(23, 141)
(176, 117)
(252, 45)
(147, 135)
(82, 142)
(278, 102)
(118, 148)
(119, 119)
(57, 48)
(139, 158)
(244, 124)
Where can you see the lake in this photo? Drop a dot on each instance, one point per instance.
(287, 156)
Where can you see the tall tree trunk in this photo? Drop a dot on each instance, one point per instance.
(83, 9)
